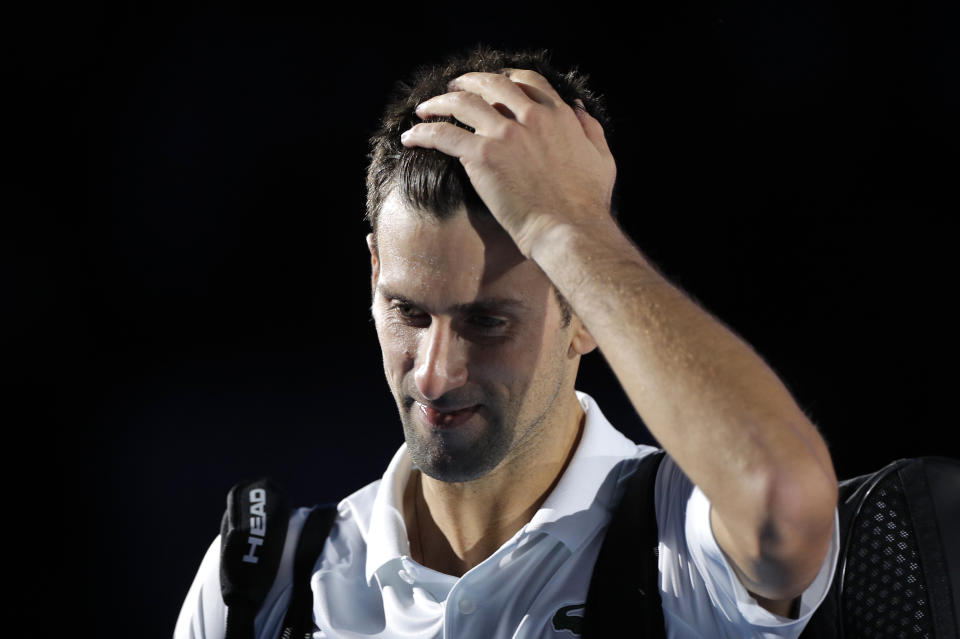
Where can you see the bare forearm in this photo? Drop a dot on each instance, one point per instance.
(713, 404)
(546, 174)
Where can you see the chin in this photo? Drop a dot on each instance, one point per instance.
(454, 456)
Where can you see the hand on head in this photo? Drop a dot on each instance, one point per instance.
(536, 162)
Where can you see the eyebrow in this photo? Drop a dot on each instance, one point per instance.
(485, 305)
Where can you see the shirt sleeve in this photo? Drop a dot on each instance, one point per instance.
(702, 595)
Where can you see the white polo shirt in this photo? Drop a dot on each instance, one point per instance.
(366, 585)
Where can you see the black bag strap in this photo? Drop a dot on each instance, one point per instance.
(298, 621)
(932, 490)
(624, 595)
(252, 535)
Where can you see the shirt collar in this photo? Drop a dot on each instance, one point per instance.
(577, 506)
(583, 498)
(387, 536)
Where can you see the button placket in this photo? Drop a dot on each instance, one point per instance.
(461, 600)
(466, 606)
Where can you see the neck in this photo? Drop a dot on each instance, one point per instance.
(455, 526)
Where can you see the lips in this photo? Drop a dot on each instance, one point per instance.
(448, 419)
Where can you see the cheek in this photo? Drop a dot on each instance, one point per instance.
(398, 345)
(540, 360)
(505, 363)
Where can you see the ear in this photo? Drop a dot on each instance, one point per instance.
(374, 260)
(581, 341)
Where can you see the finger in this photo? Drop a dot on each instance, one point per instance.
(535, 85)
(495, 88)
(591, 127)
(442, 136)
(466, 107)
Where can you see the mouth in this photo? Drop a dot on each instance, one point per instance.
(446, 419)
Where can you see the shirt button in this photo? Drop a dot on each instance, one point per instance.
(467, 606)
(404, 575)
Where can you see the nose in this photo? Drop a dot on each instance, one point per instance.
(443, 363)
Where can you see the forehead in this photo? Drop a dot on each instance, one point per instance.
(455, 260)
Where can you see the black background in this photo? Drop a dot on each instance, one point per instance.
(188, 278)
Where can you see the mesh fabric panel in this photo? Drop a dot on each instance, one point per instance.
(884, 592)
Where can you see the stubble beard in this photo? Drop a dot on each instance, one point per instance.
(459, 454)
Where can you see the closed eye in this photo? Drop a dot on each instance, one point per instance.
(408, 312)
(487, 321)
(480, 325)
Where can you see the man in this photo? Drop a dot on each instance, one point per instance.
(489, 283)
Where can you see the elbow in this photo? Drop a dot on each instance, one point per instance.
(795, 531)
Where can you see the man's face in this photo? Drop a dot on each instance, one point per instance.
(472, 343)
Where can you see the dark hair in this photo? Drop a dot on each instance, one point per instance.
(429, 180)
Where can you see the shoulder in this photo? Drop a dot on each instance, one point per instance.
(347, 541)
(357, 508)
(203, 613)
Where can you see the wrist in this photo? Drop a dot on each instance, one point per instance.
(536, 234)
(564, 238)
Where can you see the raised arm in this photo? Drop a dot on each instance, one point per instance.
(545, 172)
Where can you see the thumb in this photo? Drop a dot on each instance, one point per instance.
(591, 127)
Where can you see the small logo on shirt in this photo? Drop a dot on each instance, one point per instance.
(570, 619)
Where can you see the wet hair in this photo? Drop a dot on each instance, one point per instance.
(430, 181)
